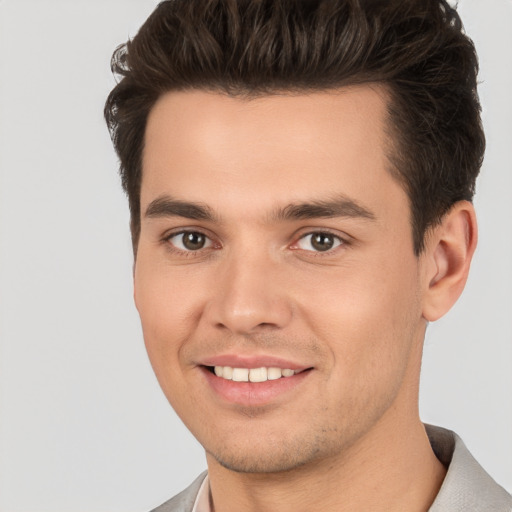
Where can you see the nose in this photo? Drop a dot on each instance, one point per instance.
(250, 295)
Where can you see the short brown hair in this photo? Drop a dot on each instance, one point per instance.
(416, 48)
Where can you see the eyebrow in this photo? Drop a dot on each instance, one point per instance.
(340, 206)
(166, 206)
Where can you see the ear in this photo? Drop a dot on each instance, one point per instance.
(449, 249)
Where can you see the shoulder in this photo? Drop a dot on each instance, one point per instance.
(467, 487)
(184, 501)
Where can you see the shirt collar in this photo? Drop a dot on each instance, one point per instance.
(202, 503)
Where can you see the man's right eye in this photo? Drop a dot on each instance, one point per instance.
(189, 241)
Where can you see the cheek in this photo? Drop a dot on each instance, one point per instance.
(163, 305)
(369, 315)
(164, 292)
(166, 308)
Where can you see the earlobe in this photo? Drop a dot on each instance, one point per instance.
(450, 249)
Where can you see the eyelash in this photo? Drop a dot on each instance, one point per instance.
(188, 253)
(342, 242)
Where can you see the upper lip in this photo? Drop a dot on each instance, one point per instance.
(252, 361)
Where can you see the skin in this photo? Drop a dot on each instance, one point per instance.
(347, 436)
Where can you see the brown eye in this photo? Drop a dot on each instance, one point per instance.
(319, 242)
(193, 241)
(322, 241)
(190, 241)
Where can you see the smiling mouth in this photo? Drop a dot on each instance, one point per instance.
(262, 374)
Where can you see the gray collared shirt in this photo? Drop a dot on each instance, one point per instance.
(466, 488)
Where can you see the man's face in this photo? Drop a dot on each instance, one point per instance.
(274, 236)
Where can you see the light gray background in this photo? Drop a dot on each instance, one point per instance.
(83, 424)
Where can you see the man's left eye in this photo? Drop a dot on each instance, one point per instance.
(190, 241)
(319, 242)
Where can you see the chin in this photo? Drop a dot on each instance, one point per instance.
(261, 465)
(269, 458)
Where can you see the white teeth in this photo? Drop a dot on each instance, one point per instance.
(252, 374)
(227, 372)
(240, 374)
(274, 373)
(257, 375)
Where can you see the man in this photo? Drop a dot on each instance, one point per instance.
(300, 177)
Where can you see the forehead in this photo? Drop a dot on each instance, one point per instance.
(218, 149)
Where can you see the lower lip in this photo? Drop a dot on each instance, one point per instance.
(253, 393)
